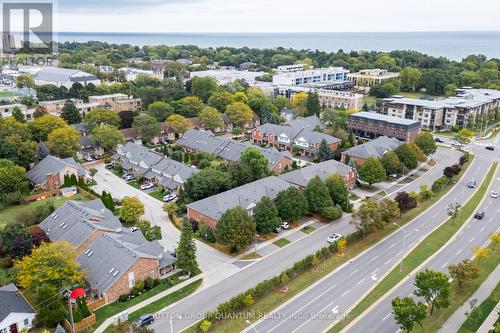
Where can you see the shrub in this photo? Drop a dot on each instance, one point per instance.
(331, 213)
(123, 298)
(139, 285)
(149, 282)
(440, 183)
(156, 282)
(405, 201)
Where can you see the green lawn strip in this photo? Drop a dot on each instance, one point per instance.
(157, 195)
(471, 326)
(431, 244)
(460, 296)
(308, 229)
(423, 169)
(282, 242)
(251, 256)
(134, 184)
(162, 303)
(116, 307)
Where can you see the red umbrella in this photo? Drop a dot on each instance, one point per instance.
(77, 293)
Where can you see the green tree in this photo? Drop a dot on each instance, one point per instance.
(131, 210)
(418, 152)
(17, 146)
(292, 204)
(391, 163)
(190, 106)
(106, 136)
(317, 194)
(368, 217)
(13, 184)
(236, 229)
(99, 117)
(160, 110)
(211, 118)
(186, 249)
(18, 115)
(338, 190)
(64, 141)
(50, 313)
(410, 78)
(203, 87)
(372, 171)
(25, 81)
(239, 113)
(179, 123)
(266, 216)
(389, 210)
(44, 125)
(407, 156)
(407, 312)
(425, 141)
(151, 232)
(464, 135)
(206, 183)
(10, 233)
(464, 271)
(147, 126)
(313, 105)
(434, 288)
(70, 113)
(220, 100)
(325, 153)
(256, 162)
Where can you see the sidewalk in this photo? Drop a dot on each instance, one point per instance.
(457, 319)
(150, 300)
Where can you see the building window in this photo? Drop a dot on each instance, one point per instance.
(3, 330)
(131, 280)
(26, 322)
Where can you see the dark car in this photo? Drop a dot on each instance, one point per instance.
(438, 140)
(479, 215)
(490, 148)
(471, 184)
(144, 320)
(110, 165)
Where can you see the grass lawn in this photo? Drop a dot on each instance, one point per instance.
(157, 195)
(135, 184)
(370, 100)
(6, 94)
(368, 188)
(432, 162)
(282, 242)
(162, 302)
(308, 229)
(423, 169)
(251, 256)
(471, 326)
(430, 245)
(416, 95)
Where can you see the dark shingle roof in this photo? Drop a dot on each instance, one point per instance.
(172, 174)
(140, 157)
(301, 177)
(11, 301)
(310, 122)
(52, 165)
(375, 148)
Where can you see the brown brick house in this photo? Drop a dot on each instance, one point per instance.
(50, 172)
(371, 125)
(375, 148)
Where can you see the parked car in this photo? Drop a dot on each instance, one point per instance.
(110, 165)
(479, 215)
(88, 158)
(490, 148)
(285, 225)
(277, 230)
(394, 175)
(145, 319)
(471, 184)
(170, 197)
(438, 140)
(129, 177)
(334, 237)
(456, 145)
(147, 186)
(494, 194)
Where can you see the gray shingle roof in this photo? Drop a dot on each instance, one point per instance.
(75, 221)
(54, 74)
(301, 177)
(245, 196)
(137, 156)
(310, 122)
(375, 148)
(52, 165)
(12, 301)
(172, 174)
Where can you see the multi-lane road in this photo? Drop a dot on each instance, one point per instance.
(476, 233)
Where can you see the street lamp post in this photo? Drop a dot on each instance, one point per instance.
(404, 246)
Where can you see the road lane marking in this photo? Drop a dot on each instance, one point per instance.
(360, 282)
(459, 251)
(375, 271)
(373, 258)
(481, 229)
(346, 292)
(388, 261)
(392, 245)
(444, 265)
(353, 272)
(471, 240)
(422, 225)
(387, 316)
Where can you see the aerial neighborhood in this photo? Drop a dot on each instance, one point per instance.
(158, 178)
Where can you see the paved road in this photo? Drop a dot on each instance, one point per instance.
(215, 264)
(191, 309)
(476, 233)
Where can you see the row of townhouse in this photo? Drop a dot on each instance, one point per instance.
(467, 106)
(378, 147)
(209, 210)
(112, 256)
(230, 150)
(156, 168)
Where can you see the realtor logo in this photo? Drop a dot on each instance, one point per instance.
(27, 26)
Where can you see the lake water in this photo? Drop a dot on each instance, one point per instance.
(454, 45)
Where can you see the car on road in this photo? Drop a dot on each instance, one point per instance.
(439, 140)
(490, 148)
(145, 319)
(471, 184)
(479, 215)
(456, 145)
(285, 225)
(170, 197)
(334, 237)
(88, 158)
(128, 177)
(494, 194)
(147, 186)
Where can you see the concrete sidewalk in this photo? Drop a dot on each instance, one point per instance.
(457, 319)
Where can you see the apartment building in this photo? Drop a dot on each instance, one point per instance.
(341, 99)
(118, 102)
(368, 78)
(317, 75)
(371, 125)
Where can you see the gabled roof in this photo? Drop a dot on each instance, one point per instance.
(324, 170)
(375, 148)
(310, 122)
(167, 169)
(245, 196)
(54, 74)
(52, 165)
(295, 134)
(12, 301)
(76, 221)
(138, 156)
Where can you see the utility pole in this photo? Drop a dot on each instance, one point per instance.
(72, 322)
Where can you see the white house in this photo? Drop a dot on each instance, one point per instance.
(16, 312)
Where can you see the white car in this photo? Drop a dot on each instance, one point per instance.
(285, 225)
(334, 237)
(170, 197)
(88, 158)
(146, 186)
(494, 194)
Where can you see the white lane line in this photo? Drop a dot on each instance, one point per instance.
(388, 261)
(373, 258)
(481, 229)
(444, 265)
(346, 292)
(399, 253)
(392, 245)
(353, 272)
(422, 225)
(459, 251)
(434, 216)
(468, 226)
(387, 316)
(360, 282)
(471, 240)
(375, 271)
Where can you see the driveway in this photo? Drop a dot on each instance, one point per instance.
(215, 265)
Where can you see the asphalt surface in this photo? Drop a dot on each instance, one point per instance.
(475, 234)
(192, 309)
(327, 301)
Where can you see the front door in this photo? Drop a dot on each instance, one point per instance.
(13, 328)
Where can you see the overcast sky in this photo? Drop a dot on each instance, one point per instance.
(276, 15)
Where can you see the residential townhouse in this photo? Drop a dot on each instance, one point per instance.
(118, 102)
(306, 140)
(209, 210)
(367, 78)
(87, 147)
(6, 110)
(374, 148)
(16, 313)
(324, 170)
(230, 150)
(311, 122)
(370, 125)
(50, 172)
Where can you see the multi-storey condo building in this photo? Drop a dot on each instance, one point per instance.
(317, 75)
(465, 107)
(341, 99)
(371, 125)
(118, 102)
(368, 78)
